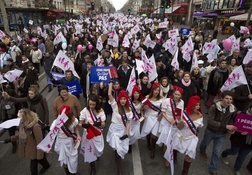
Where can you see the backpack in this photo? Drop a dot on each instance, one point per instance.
(42, 126)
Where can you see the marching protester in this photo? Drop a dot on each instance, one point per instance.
(153, 116)
(220, 122)
(29, 135)
(169, 110)
(182, 61)
(92, 119)
(119, 129)
(35, 101)
(185, 140)
(66, 140)
(65, 98)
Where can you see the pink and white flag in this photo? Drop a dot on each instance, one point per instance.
(62, 61)
(135, 29)
(175, 62)
(248, 57)
(132, 82)
(169, 151)
(236, 78)
(151, 67)
(163, 25)
(98, 61)
(39, 30)
(58, 38)
(135, 45)
(247, 43)
(2, 34)
(46, 144)
(244, 30)
(194, 61)
(99, 44)
(25, 30)
(13, 75)
(126, 42)
(18, 37)
(140, 66)
(173, 32)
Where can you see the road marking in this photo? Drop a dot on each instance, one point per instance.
(137, 164)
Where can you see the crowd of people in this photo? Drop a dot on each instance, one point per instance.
(153, 108)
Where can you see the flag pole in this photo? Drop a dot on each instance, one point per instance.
(248, 89)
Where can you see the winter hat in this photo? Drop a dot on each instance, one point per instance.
(122, 94)
(155, 85)
(192, 101)
(67, 112)
(176, 88)
(135, 89)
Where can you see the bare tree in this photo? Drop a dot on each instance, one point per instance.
(5, 17)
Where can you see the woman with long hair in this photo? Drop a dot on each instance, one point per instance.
(29, 136)
(153, 115)
(170, 107)
(92, 119)
(67, 138)
(137, 109)
(185, 140)
(166, 88)
(119, 129)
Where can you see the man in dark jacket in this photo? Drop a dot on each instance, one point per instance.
(220, 122)
(216, 80)
(124, 71)
(48, 62)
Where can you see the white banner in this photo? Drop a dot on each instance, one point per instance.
(236, 78)
(163, 25)
(62, 61)
(46, 144)
(175, 62)
(88, 150)
(152, 70)
(2, 34)
(135, 45)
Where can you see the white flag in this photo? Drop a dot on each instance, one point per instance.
(248, 57)
(25, 30)
(135, 45)
(152, 70)
(46, 144)
(247, 43)
(10, 123)
(19, 38)
(62, 61)
(236, 78)
(175, 62)
(78, 28)
(173, 32)
(135, 29)
(58, 38)
(163, 25)
(98, 61)
(2, 34)
(169, 151)
(13, 75)
(194, 61)
(99, 44)
(39, 30)
(126, 42)
(140, 66)
(132, 82)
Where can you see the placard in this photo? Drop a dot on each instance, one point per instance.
(243, 122)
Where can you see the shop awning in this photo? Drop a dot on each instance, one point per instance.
(242, 17)
(177, 10)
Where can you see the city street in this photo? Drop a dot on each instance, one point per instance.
(136, 163)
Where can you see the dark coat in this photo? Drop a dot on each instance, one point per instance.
(123, 77)
(241, 100)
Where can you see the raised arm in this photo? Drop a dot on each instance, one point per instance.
(110, 96)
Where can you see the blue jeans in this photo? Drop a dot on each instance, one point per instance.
(218, 140)
(242, 154)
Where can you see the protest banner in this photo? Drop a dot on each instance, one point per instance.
(243, 122)
(100, 74)
(74, 87)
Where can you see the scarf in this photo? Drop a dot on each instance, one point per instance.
(22, 128)
(186, 83)
(35, 100)
(164, 90)
(35, 49)
(218, 75)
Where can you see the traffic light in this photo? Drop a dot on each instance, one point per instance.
(129, 10)
(168, 4)
(162, 5)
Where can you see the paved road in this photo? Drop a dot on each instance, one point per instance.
(137, 163)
